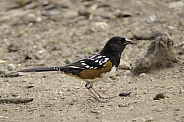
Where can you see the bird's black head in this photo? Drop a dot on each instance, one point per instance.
(115, 45)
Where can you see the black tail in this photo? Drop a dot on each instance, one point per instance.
(42, 69)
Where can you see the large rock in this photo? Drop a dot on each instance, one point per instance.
(160, 54)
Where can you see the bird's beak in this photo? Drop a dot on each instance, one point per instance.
(128, 42)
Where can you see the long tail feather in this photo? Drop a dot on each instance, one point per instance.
(42, 69)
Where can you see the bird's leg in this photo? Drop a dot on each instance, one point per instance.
(89, 86)
(100, 96)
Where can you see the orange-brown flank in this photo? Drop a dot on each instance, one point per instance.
(95, 73)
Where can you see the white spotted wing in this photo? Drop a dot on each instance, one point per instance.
(93, 62)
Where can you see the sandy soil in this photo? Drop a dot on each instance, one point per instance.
(54, 33)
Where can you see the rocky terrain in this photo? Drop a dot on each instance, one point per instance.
(57, 32)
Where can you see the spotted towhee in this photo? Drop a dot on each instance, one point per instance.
(95, 68)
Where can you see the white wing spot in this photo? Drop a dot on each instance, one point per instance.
(105, 60)
(92, 57)
(97, 61)
(73, 67)
(99, 56)
(87, 66)
(83, 64)
(102, 61)
(91, 67)
(56, 68)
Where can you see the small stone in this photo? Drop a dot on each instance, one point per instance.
(70, 14)
(142, 75)
(149, 119)
(120, 14)
(2, 61)
(68, 60)
(95, 111)
(60, 93)
(151, 19)
(45, 2)
(32, 5)
(122, 105)
(3, 117)
(39, 19)
(29, 86)
(107, 15)
(159, 96)
(42, 115)
(181, 90)
(49, 7)
(31, 18)
(125, 94)
(11, 67)
(99, 26)
(124, 65)
(30, 24)
(152, 78)
(55, 98)
(180, 52)
(176, 5)
(13, 47)
(138, 120)
(127, 73)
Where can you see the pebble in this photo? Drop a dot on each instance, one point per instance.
(31, 18)
(127, 73)
(138, 120)
(11, 67)
(142, 75)
(2, 61)
(181, 90)
(32, 5)
(61, 93)
(124, 65)
(95, 111)
(49, 7)
(125, 94)
(122, 105)
(39, 19)
(29, 86)
(55, 98)
(13, 47)
(3, 117)
(151, 19)
(99, 26)
(45, 2)
(107, 15)
(70, 14)
(176, 5)
(159, 96)
(152, 78)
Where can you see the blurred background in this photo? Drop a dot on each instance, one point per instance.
(60, 31)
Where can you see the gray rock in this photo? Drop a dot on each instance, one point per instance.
(11, 67)
(70, 14)
(176, 5)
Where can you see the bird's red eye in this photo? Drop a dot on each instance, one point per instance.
(119, 42)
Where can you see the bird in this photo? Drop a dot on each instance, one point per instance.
(97, 67)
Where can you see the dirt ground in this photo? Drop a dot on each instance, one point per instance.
(56, 32)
